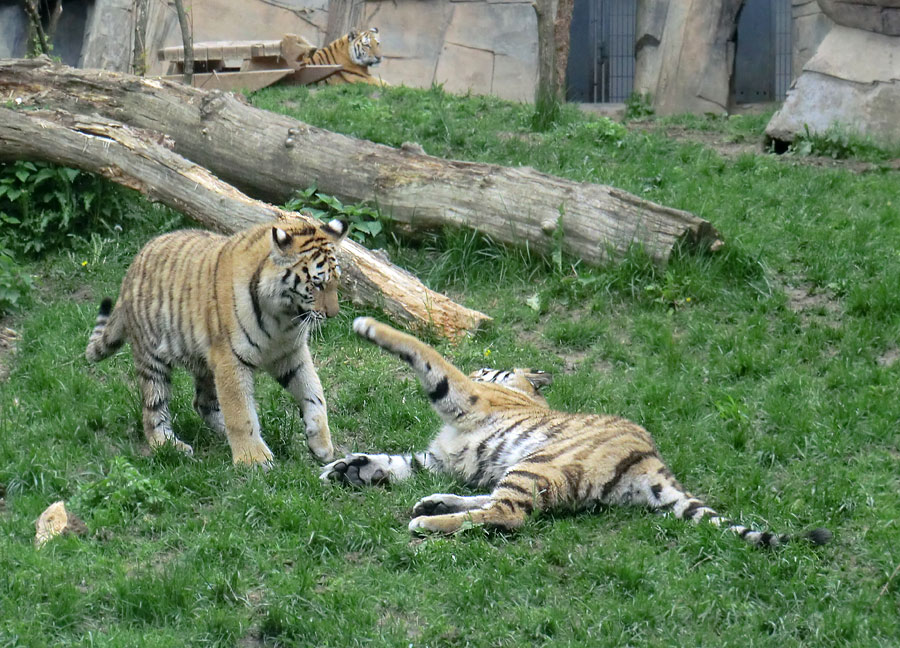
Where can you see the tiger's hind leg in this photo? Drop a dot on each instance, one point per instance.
(206, 401)
(443, 503)
(528, 486)
(154, 377)
(499, 514)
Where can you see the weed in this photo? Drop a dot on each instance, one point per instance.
(840, 142)
(365, 222)
(639, 105)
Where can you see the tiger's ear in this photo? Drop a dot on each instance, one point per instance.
(336, 229)
(538, 378)
(353, 34)
(281, 240)
(374, 30)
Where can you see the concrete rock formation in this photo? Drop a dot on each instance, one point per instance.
(839, 87)
(685, 54)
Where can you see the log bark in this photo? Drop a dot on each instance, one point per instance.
(140, 160)
(270, 156)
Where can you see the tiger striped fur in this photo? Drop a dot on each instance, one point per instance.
(355, 51)
(499, 433)
(222, 307)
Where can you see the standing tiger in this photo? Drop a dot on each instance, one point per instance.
(355, 51)
(499, 432)
(222, 307)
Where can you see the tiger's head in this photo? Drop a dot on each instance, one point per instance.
(524, 381)
(365, 47)
(306, 270)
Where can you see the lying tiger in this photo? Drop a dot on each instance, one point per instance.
(355, 52)
(222, 307)
(499, 433)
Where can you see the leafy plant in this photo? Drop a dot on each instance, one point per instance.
(365, 222)
(839, 142)
(123, 491)
(44, 205)
(638, 105)
(15, 283)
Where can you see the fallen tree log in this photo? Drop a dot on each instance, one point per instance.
(270, 156)
(139, 160)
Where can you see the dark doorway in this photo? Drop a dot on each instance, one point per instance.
(601, 52)
(762, 59)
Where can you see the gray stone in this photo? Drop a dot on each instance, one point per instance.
(879, 16)
(690, 68)
(472, 45)
(840, 87)
(13, 31)
(810, 26)
(108, 34)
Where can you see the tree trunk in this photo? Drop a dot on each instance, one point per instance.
(547, 85)
(343, 15)
(562, 27)
(187, 42)
(139, 61)
(140, 160)
(271, 156)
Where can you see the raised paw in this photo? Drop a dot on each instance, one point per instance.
(364, 327)
(357, 469)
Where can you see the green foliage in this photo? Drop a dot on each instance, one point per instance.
(638, 105)
(119, 494)
(15, 282)
(840, 143)
(365, 222)
(547, 110)
(43, 206)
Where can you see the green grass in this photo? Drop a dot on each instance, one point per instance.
(763, 372)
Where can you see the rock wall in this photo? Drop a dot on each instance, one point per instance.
(13, 31)
(810, 27)
(685, 54)
(481, 46)
(840, 87)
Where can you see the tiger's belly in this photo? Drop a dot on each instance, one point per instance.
(482, 457)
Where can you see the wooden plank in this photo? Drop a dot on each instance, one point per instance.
(223, 49)
(234, 81)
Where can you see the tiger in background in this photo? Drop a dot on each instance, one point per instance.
(500, 433)
(223, 306)
(355, 51)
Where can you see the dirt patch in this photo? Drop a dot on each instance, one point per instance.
(719, 142)
(729, 148)
(8, 342)
(812, 304)
(890, 357)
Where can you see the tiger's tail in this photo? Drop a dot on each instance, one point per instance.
(108, 334)
(692, 509)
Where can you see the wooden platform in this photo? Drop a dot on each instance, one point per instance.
(247, 65)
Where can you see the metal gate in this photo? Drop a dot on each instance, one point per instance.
(601, 51)
(762, 60)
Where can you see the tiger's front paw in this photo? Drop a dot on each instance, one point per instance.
(357, 469)
(253, 454)
(365, 327)
(318, 439)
